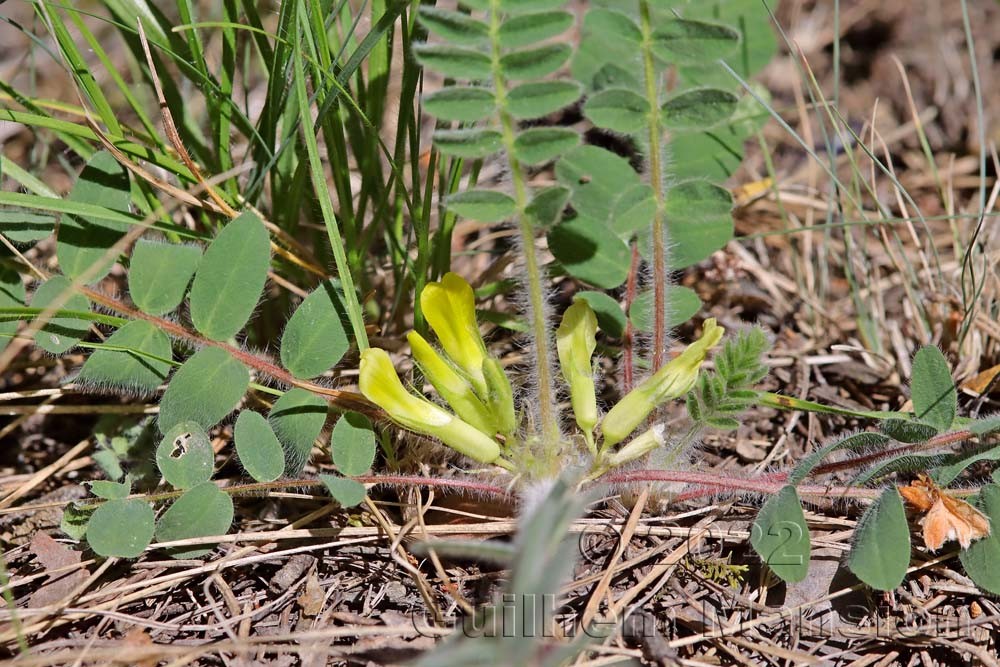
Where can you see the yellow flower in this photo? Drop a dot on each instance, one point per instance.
(639, 446)
(675, 379)
(576, 341)
(501, 398)
(450, 385)
(381, 385)
(450, 309)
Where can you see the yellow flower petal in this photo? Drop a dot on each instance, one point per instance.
(450, 309)
(675, 379)
(576, 340)
(452, 387)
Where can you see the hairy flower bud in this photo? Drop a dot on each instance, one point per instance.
(450, 309)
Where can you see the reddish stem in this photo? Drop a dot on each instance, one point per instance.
(627, 346)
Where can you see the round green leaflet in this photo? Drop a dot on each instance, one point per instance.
(353, 444)
(315, 338)
(258, 447)
(202, 511)
(185, 456)
(204, 390)
(121, 528)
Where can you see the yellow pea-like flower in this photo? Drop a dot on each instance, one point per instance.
(381, 385)
(452, 387)
(675, 379)
(450, 309)
(576, 340)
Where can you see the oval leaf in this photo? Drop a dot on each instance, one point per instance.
(535, 63)
(454, 61)
(230, 278)
(347, 492)
(202, 511)
(455, 27)
(542, 144)
(297, 419)
(482, 205)
(83, 240)
(881, 550)
(980, 559)
(698, 109)
(25, 227)
(697, 199)
(589, 252)
(535, 27)
(204, 390)
(935, 400)
(353, 444)
(780, 536)
(610, 316)
(159, 274)
(315, 338)
(185, 456)
(60, 333)
(258, 447)
(121, 528)
(617, 109)
(468, 143)
(462, 103)
(534, 100)
(687, 42)
(140, 363)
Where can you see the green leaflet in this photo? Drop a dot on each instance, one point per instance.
(610, 316)
(83, 240)
(258, 447)
(60, 333)
(981, 558)
(142, 363)
(542, 144)
(353, 444)
(534, 27)
(455, 27)
(185, 456)
(698, 109)
(121, 528)
(482, 205)
(682, 304)
(230, 278)
(546, 206)
(24, 227)
(468, 143)
(454, 61)
(697, 200)
(315, 338)
(780, 535)
(881, 550)
(537, 99)
(159, 274)
(618, 109)
(204, 390)
(686, 42)
(202, 511)
(589, 253)
(462, 103)
(935, 400)
(535, 63)
(297, 419)
(12, 295)
(347, 492)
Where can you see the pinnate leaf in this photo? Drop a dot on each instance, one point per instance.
(258, 447)
(230, 277)
(185, 456)
(881, 551)
(315, 337)
(121, 528)
(780, 535)
(159, 274)
(202, 511)
(204, 390)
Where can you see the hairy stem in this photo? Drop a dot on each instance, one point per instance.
(533, 271)
(656, 181)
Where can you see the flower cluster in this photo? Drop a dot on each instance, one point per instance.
(479, 393)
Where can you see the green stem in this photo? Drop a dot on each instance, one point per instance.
(656, 181)
(533, 271)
